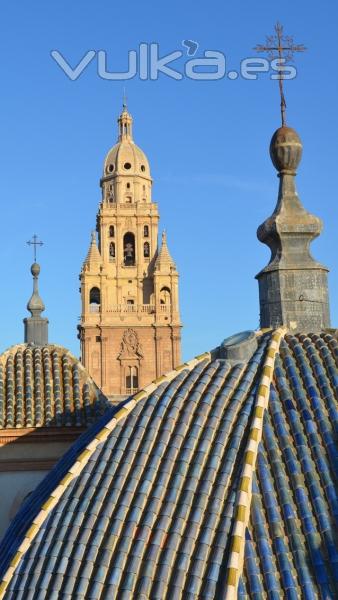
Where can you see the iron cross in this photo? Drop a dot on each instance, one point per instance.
(283, 48)
(35, 242)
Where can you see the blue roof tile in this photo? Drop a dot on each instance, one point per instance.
(152, 511)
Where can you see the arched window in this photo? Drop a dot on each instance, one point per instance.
(128, 186)
(111, 231)
(146, 231)
(146, 250)
(165, 296)
(111, 250)
(131, 379)
(129, 249)
(94, 299)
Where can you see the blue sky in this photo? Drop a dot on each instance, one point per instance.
(207, 142)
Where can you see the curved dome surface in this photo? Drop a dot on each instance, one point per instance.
(126, 158)
(217, 481)
(46, 387)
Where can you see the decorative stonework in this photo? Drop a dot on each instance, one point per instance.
(130, 346)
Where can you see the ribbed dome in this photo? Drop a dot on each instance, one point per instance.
(46, 387)
(216, 482)
(123, 154)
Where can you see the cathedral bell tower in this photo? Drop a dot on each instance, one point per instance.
(130, 323)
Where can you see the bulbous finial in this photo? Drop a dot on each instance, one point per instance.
(286, 150)
(293, 289)
(35, 304)
(35, 269)
(36, 327)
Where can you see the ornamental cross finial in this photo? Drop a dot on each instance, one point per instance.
(282, 48)
(34, 242)
(124, 104)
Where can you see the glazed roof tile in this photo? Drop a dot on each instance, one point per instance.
(46, 387)
(219, 482)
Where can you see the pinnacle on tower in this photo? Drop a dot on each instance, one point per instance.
(164, 260)
(36, 327)
(93, 258)
(293, 287)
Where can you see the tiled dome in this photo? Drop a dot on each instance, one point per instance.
(217, 481)
(46, 387)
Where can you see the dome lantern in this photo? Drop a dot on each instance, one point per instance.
(125, 122)
(126, 167)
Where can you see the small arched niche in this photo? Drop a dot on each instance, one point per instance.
(146, 250)
(111, 231)
(165, 296)
(111, 250)
(94, 299)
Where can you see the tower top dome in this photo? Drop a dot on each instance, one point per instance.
(125, 157)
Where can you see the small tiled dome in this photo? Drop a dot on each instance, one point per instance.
(46, 387)
(218, 481)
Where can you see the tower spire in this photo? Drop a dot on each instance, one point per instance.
(293, 288)
(36, 326)
(164, 260)
(93, 258)
(125, 122)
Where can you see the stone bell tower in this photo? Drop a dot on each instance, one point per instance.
(130, 323)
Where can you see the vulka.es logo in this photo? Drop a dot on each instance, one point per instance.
(147, 64)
